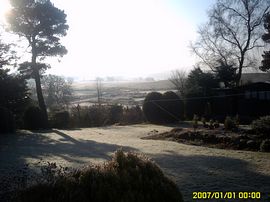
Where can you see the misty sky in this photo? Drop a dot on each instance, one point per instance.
(129, 38)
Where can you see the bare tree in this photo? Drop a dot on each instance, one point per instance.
(232, 34)
(99, 90)
(178, 79)
(58, 91)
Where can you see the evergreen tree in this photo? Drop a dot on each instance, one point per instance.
(42, 25)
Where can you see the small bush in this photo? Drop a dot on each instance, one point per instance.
(230, 124)
(34, 119)
(203, 120)
(261, 125)
(216, 124)
(127, 177)
(195, 122)
(265, 146)
(6, 121)
(60, 119)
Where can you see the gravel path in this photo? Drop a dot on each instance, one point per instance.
(193, 168)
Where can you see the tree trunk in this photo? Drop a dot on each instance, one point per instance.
(239, 75)
(41, 101)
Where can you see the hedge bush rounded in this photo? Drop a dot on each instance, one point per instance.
(7, 124)
(174, 107)
(127, 177)
(34, 119)
(163, 108)
(151, 109)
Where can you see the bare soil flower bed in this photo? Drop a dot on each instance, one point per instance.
(216, 138)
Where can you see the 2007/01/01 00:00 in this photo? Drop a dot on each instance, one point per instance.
(226, 195)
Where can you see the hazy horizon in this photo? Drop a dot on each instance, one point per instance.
(128, 39)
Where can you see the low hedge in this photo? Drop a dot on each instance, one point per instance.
(127, 178)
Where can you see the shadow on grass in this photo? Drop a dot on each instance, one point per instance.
(198, 173)
(16, 149)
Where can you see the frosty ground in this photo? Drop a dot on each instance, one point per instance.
(193, 168)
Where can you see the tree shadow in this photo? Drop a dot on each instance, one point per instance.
(198, 173)
(17, 149)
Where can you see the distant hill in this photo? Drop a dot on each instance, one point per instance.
(152, 85)
(161, 84)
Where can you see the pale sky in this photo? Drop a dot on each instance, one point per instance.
(128, 38)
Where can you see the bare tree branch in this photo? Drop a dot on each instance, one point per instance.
(234, 29)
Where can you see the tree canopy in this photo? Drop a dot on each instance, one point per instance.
(14, 93)
(200, 83)
(42, 25)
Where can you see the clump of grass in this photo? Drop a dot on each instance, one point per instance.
(231, 124)
(195, 123)
(127, 177)
(261, 125)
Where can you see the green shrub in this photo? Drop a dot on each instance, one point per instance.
(7, 121)
(60, 119)
(230, 124)
(127, 177)
(261, 125)
(34, 119)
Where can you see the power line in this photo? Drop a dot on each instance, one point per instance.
(172, 115)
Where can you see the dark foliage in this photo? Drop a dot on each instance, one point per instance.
(42, 25)
(173, 106)
(14, 95)
(230, 123)
(92, 116)
(261, 125)
(166, 108)
(115, 113)
(201, 83)
(226, 73)
(127, 177)
(7, 124)
(60, 119)
(265, 146)
(34, 119)
(101, 115)
(200, 86)
(151, 109)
